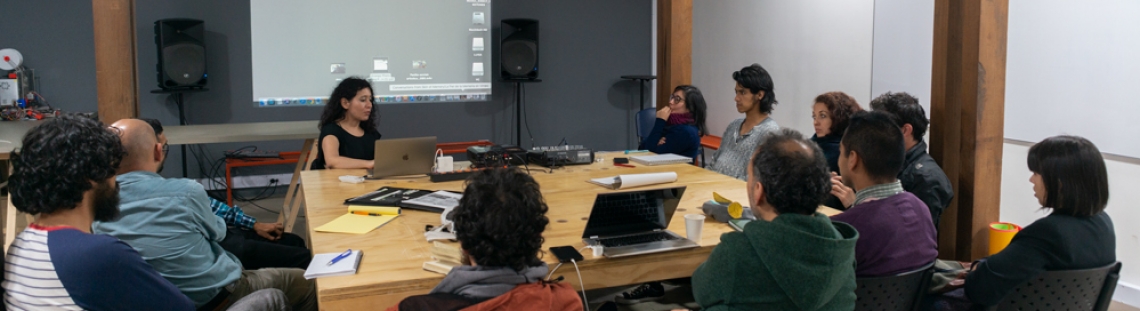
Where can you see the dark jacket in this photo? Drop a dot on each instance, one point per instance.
(1056, 242)
(925, 179)
(794, 262)
(681, 139)
(830, 146)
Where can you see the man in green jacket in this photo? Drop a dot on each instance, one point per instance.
(791, 257)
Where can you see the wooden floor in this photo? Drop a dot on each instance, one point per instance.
(1117, 306)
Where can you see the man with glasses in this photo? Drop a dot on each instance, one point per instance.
(257, 244)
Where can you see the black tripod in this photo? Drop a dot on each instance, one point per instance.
(179, 99)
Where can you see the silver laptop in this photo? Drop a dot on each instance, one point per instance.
(403, 157)
(634, 222)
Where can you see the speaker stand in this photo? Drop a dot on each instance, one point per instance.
(641, 86)
(641, 81)
(518, 107)
(180, 100)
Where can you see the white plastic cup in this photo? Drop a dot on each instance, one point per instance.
(694, 224)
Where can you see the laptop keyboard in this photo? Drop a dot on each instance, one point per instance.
(636, 239)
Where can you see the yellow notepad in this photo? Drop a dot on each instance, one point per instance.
(357, 224)
(380, 210)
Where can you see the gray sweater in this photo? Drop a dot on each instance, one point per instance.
(735, 150)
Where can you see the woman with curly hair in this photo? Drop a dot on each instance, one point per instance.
(499, 224)
(348, 127)
(830, 115)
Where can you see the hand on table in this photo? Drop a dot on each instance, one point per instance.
(845, 194)
(269, 231)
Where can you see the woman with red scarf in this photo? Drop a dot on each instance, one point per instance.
(679, 126)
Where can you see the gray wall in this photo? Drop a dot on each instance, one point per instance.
(56, 40)
(584, 47)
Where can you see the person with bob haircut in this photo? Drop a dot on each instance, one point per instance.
(499, 224)
(348, 127)
(1070, 179)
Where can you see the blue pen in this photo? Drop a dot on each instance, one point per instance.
(339, 257)
(635, 151)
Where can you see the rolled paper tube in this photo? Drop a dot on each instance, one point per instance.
(1000, 235)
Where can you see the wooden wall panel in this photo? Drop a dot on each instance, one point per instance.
(116, 84)
(967, 118)
(674, 47)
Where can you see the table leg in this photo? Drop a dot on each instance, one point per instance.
(290, 200)
(9, 215)
(295, 209)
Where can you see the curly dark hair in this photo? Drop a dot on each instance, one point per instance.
(795, 180)
(695, 103)
(347, 90)
(1075, 176)
(903, 109)
(500, 219)
(59, 161)
(755, 78)
(840, 107)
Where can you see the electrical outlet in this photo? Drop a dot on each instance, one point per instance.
(273, 181)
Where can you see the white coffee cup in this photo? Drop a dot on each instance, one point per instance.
(694, 223)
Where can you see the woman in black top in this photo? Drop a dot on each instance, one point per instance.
(348, 127)
(1069, 176)
(830, 116)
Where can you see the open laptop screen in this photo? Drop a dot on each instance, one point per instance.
(632, 212)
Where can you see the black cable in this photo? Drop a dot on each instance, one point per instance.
(525, 121)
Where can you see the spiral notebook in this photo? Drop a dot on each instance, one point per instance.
(661, 159)
(319, 267)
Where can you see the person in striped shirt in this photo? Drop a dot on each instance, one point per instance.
(65, 175)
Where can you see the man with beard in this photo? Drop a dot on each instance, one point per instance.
(170, 223)
(256, 244)
(65, 175)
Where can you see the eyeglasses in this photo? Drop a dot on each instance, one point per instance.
(165, 149)
(674, 98)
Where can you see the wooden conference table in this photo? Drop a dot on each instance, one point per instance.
(391, 268)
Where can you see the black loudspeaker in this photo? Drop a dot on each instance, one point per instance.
(181, 53)
(518, 52)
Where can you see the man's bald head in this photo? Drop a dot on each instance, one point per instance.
(143, 151)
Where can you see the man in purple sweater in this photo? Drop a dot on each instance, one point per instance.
(896, 234)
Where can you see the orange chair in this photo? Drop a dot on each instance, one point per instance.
(710, 142)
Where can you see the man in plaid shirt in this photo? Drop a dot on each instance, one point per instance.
(256, 244)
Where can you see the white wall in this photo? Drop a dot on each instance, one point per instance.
(1073, 66)
(808, 46)
(1020, 207)
(903, 50)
